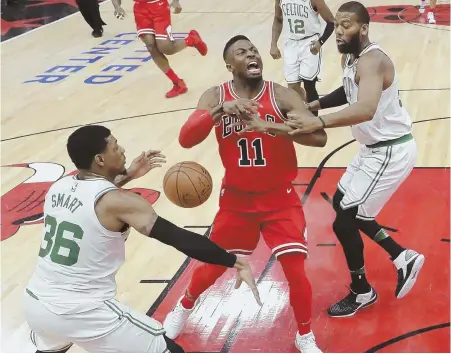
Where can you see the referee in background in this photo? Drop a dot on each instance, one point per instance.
(91, 13)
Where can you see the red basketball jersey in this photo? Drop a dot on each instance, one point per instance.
(255, 162)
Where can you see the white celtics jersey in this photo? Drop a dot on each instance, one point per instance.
(300, 20)
(391, 120)
(78, 258)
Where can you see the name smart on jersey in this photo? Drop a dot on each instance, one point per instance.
(66, 201)
(228, 127)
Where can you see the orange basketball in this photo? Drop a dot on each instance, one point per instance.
(187, 184)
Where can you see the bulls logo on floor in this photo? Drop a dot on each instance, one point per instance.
(23, 205)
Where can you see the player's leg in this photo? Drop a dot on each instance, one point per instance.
(310, 91)
(348, 235)
(116, 327)
(431, 12)
(401, 160)
(167, 45)
(146, 32)
(291, 67)
(357, 203)
(309, 70)
(284, 231)
(91, 13)
(236, 232)
(112, 327)
(38, 319)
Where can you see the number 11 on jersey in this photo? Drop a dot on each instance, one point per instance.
(256, 144)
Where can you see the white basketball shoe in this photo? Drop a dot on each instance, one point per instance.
(408, 265)
(176, 319)
(306, 343)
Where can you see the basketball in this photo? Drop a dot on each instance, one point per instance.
(187, 184)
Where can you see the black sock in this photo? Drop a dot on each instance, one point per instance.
(390, 245)
(359, 283)
(373, 230)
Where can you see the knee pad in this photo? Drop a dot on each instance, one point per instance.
(336, 200)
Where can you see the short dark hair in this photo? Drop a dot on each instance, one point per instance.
(358, 8)
(231, 41)
(85, 143)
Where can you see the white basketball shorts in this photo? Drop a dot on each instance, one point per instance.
(299, 63)
(112, 327)
(374, 176)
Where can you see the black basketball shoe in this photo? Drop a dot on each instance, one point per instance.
(352, 303)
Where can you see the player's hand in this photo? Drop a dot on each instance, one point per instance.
(241, 107)
(275, 52)
(252, 123)
(176, 6)
(119, 13)
(244, 273)
(315, 46)
(145, 162)
(303, 124)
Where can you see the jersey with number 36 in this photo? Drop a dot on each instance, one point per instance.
(300, 20)
(254, 162)
(78, 258)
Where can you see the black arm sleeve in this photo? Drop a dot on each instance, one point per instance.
(327, 32)
(334, 99)
(191, 244)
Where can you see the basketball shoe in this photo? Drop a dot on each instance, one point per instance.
(178, 88)
(408, 265)
(176, 319)
(352, 303)
(195, 40)
(306, 343)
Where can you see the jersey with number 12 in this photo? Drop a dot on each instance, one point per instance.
(253, 161)
(300, 20)
(78, 258)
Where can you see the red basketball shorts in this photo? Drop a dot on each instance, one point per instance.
(154, 19)
(284, 230)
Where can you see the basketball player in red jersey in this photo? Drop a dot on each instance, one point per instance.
(257, 194)
(153, 23)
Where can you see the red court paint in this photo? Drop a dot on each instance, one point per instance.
(408, 13)
(230, 320)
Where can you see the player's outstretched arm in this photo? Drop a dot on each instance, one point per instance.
(201, 121)
(140, 166)
(123, 207)
(371, 72)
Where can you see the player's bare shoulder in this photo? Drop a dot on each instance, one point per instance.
(375, 63)
(287, 99)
